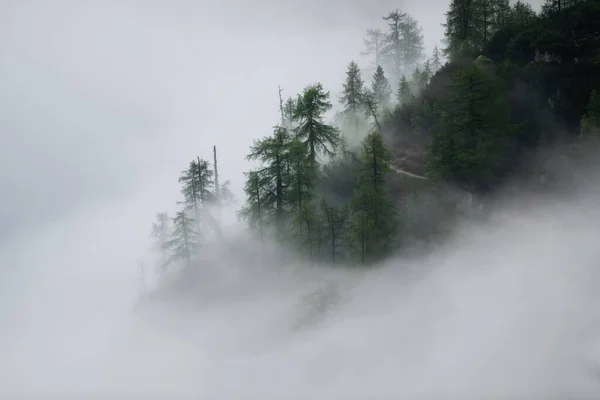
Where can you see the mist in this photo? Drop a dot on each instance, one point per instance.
(105, 103)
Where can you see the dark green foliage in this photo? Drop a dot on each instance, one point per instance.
(374, 216)
(473, 143)
(319, 137)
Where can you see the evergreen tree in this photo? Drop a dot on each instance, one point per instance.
(318, 136)
(472, 143)
(190, 188)
(404, 94)
(353, 88)
(374, 220)
(375, 46)
(522, 14)
(381, 90)
(351, 120)
(184, 243)
(461, 27)
(300, 176)
(273, 153)
(336, 219)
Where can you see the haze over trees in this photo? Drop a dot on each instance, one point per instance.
(414, 136)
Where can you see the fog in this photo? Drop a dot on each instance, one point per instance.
(103, 104)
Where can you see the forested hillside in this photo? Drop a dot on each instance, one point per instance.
(415, 135)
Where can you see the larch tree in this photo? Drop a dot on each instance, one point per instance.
(374, 213)
(319, 137)
(273, 153)
(461, 29)
(161, 232)
(351, 100)
(412, 43)
(256, 211)
(394, 45)
(300, 176)
(185, 240)
(381, 90)
(336, 220)
(404, 93)
(436, 59)
(473, 141)
(374, 46)
(522, 14)
(372, 108)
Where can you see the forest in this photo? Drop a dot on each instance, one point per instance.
(416, 141)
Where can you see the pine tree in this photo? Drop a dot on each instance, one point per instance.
(375, 46)
(374, 220)
(381, 90)
(336, 219)
(184, 243)
(472, 143)
(318, 136)
(404, 94)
